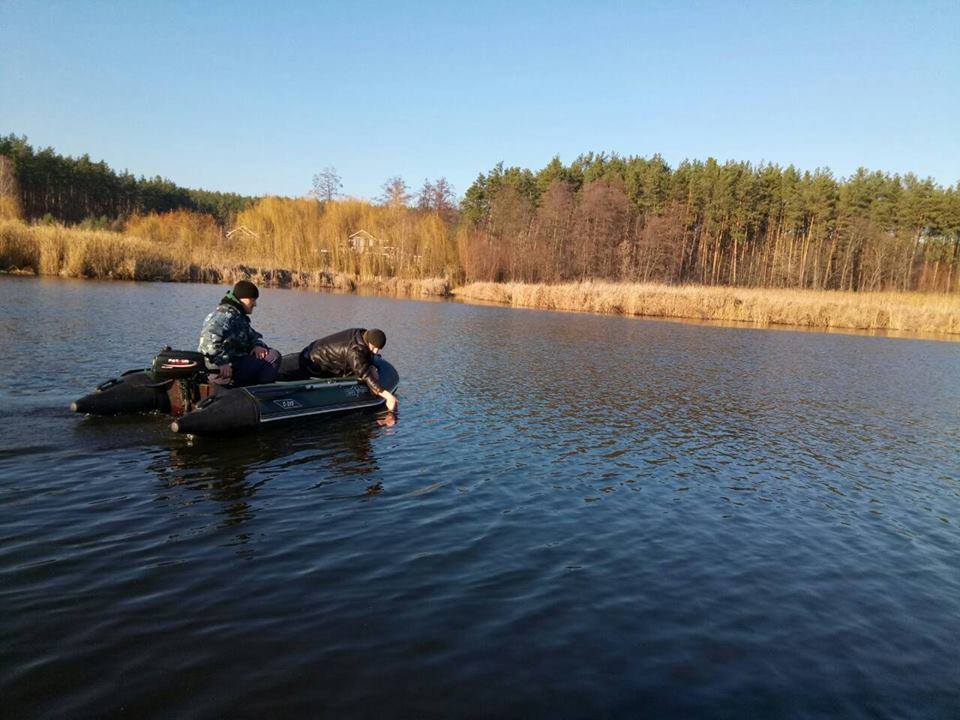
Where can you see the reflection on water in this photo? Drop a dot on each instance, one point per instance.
(230, 471)
(573, 516)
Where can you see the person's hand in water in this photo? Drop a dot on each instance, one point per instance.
(391, 400)
(387, 420)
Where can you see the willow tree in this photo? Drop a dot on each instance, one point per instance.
(9, 191)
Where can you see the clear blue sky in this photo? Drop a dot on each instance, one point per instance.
(257, 97)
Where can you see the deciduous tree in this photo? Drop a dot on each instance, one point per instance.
(327, 185)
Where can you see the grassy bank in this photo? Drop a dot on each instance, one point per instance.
(70, 252)
(908, 312)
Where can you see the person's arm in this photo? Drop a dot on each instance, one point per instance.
(370, 378)
(212, 342)
(363, 369)
(260, 348)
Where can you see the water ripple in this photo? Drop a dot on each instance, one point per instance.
(571, 516)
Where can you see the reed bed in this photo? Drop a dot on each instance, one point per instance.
(70, 252)
(907, 312)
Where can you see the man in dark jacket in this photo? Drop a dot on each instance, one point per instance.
(233, 348)
(348, 352)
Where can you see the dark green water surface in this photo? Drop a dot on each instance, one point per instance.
(573, 516)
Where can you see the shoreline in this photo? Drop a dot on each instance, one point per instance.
(825, 310)
(274, 278)
(917, 315)
(54, 251)
(59, 252)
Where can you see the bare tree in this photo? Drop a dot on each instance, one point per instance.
(438, 197)
(509, 226)
(395, 193)
(601, 223)
(326, 185)
(553, 227)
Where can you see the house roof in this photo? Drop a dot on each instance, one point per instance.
(362, 234)
(243, 230)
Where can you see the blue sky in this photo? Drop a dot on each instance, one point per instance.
(257, 97)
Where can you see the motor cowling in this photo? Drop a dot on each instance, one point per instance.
(178, 364)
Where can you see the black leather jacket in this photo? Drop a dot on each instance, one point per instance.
(340, 354)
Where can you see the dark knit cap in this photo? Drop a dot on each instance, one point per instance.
(375, 337)
(245, 289)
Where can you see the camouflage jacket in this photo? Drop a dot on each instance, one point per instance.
(227, 334)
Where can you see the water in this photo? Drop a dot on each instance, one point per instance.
(572, 516)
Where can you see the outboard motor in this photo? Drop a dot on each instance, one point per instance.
(174, 383)
(186, 370)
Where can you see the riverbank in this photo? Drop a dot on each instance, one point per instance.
(902, 312)
(70, 252)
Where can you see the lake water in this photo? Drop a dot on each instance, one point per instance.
(573, 516)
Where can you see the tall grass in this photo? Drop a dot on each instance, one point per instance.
(56, 250)
(910, 312)
(160, 252)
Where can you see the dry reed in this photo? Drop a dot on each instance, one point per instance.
(907, 312)
(165, 254)
(166, 250)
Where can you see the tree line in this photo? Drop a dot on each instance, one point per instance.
(635, 219)
(603, 216)
(72, 190)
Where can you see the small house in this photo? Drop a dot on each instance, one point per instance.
(362, 241)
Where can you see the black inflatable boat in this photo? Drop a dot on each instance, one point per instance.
(177, 384)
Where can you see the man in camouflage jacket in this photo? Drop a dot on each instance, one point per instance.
(232, 346)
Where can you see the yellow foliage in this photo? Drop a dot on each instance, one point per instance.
(73, 252)
(311, 241)
(9, 208)
(9, 195)
(182, 228)
(307, 235)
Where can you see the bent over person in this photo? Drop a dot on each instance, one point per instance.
(232, 347)
(348, 352)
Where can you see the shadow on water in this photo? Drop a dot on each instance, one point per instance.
(231, 471)
(214, 482)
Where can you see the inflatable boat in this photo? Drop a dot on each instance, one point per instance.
(177, 384)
